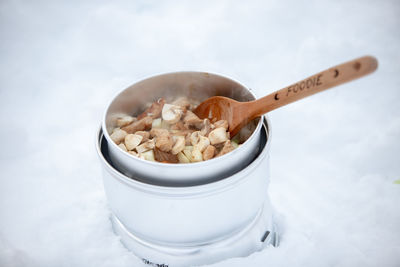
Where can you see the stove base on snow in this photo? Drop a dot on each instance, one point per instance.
(260, 233)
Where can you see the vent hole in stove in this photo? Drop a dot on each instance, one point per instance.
(264, 237)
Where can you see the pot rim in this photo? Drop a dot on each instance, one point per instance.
(171, 165)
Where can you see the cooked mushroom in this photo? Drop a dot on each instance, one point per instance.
(188, 142)
(179, 144)
(118, 135)
(221, 123)
(132, 141)
(218, 135)
(133, 153)
(125, 120)
(122, 146)
(187, 151)
(147, 155)
(207, 127)
(202, 144)
(195, 137)
(196, 155)
(145, 146)
(171, 113)
(182, 158)
(157, 123)
(144, 134)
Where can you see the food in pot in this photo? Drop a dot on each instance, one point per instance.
(172, 133)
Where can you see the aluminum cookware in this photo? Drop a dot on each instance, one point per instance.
(193, 215)
(195, 85)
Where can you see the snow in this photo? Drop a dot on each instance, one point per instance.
(334, 156)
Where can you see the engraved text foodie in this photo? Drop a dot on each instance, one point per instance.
(306, 84)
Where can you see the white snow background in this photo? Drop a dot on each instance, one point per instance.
(334, 157)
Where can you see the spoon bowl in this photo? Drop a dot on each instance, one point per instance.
(224, 108)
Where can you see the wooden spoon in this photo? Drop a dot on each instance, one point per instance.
(238, 114)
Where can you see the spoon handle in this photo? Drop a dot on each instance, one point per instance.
(314, 84)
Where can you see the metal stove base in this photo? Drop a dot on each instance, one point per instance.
(258, 234)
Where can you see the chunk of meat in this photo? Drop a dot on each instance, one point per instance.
(209, 152)
(178, 126)
(182, 101)
(162, 156)
(164, 142)
(156, 132)
(182, 132)
(228, 147)
(191, 120)
(154, 111)
(140, 125)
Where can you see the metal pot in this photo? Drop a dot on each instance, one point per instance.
(188, 216)
(196, 85)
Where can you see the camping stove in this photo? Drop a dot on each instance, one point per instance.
(260, 233)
